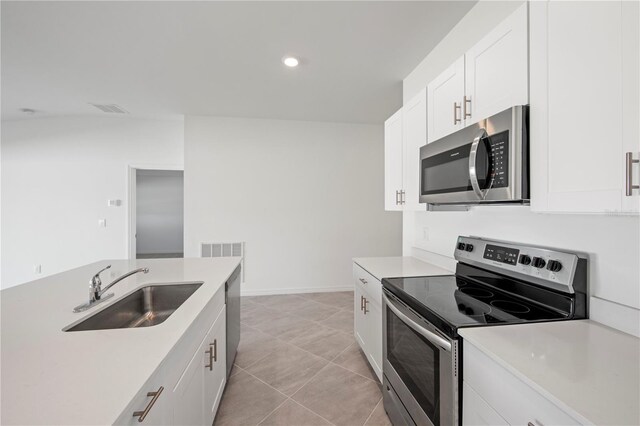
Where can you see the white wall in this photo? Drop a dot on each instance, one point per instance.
(159, 211)
(305, 197)
(612, 242)
(57, 175)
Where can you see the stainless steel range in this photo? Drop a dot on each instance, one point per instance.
(495, 283)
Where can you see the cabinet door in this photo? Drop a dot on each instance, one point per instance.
(497, 68)
(631, 97)
(476, 411)
(215, 371)
(414, 135)
(373, 317)
(584, 103)
(393, 161)
(359, 324)
(444, 102)
(188, 394)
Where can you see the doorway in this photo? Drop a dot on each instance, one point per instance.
(157, 213)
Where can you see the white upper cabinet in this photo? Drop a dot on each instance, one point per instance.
(414, 135)
(393, 162)
(496, 69)
(584, 106)
(404, 133)
(445, 97)
(491, 77)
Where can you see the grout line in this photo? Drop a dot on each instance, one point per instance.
(309, 409)
(372, 411)
(272, 411)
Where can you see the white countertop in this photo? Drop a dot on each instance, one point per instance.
(88, 377)
(398, 266)
(589, 370)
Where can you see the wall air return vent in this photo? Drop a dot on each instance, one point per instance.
(223, 250)
(110, 108)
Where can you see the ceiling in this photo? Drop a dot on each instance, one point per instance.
(168, 59)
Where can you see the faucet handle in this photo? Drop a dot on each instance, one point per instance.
(96, 277)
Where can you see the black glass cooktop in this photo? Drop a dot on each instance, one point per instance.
(450, 302)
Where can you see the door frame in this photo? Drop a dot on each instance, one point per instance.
(131, 198)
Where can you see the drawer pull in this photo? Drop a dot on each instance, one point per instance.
(213, 354)
(361, 303)
(456, 108)
(363, 281)
(365, 306)
(141, 415)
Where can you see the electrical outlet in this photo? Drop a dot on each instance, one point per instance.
(425, 233)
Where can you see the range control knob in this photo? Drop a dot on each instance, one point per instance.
(538, 262)
(524, 259)
(469, 247)
(462, 246)
(554, 266)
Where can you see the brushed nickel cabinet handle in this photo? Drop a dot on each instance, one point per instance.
(141, 415)
(397, 198)
(456, 108)
(366, 311)
(361, 303)
(402, 197)
(215, 350)
(466, 112)
(210, 353)
(363, 281)
(630, 161)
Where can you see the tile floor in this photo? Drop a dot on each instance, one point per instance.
(298, 364)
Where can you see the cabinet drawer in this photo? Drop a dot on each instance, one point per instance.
(515, 401)
(370, 285)
(157, 405)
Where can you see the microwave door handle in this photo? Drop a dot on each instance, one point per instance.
(473, 173)
(429, 335)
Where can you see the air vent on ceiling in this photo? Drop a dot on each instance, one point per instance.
(223, 250)
(110, 108)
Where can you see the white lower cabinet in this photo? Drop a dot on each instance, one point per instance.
(187, 388)
(368, 317)
(476, 411)
(512, 401)
(198, 392)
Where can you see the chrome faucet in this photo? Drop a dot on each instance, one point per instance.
(96, 291)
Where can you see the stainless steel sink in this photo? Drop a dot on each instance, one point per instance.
(145, 307)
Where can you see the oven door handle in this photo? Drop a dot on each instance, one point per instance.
(473, 172)
(429, 335)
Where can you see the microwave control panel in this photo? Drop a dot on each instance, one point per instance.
(500, 159)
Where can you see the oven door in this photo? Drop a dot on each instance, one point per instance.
(419, 366)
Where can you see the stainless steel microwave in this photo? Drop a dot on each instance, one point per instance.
(485, 163)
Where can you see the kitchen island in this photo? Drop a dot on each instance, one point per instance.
(51, 376)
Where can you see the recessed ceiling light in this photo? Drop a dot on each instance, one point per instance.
(290, 61)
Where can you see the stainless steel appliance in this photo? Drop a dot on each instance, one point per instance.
(495, 283)
(484, 163)
(232, 300)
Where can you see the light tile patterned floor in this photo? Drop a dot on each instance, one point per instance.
(298, 364)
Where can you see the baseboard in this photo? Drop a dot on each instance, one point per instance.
(276, 291)
(615, 315)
